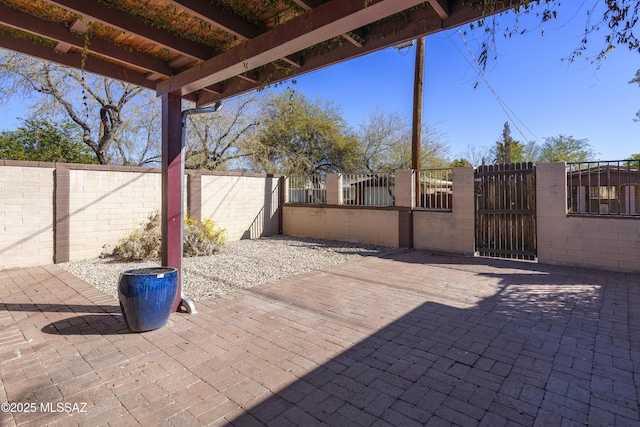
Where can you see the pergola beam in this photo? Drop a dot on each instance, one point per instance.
(74, 60)
(441, 7)
(26, 22)
(308, 4)
(317, 25)
(219, 17)
(380, 37)
(98, 12)
(418, 23)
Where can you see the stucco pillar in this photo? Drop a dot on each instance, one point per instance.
(334, 189)
(405, 189)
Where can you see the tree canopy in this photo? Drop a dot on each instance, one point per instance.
(507, 150)
(301, 136)
(43, 141)
(95, 104)
(565, 148)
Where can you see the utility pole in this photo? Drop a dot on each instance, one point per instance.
(416, 128)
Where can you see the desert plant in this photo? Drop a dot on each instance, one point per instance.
(201, 237)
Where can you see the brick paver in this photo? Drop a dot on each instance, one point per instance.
(409, 339)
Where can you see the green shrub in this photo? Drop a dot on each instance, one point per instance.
(201, 237)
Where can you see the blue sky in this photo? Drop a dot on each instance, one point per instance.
(545, 95)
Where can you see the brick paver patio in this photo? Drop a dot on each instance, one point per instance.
(410, 339)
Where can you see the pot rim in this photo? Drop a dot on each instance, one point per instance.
(150, 271)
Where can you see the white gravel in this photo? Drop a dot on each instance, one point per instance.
(241, 264)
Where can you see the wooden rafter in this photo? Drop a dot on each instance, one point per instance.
(310, 4)
(317, 25)
(123, 21)
(26, 22)
(441, 7)
(419, 23)
(74, 60)
(287, 42)
(218, 17)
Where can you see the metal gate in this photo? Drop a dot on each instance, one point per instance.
(506, 211)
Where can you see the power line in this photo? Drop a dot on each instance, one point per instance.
(511, 115)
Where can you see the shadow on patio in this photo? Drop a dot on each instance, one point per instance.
(407, 339)
(551, 346)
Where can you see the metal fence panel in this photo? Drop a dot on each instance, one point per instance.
(373, 189)
(604, 188)
(310, 189)
(436, 189)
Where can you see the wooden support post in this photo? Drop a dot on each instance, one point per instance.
(172, 187)
(416, 129)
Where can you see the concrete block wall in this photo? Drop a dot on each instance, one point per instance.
(352, 224)
(452, 231)
(581, 240)
(105, 206)
(26, 214)
(59, 212)
(247, 205)
(54, 212)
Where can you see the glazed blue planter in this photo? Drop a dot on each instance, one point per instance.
(146, 296)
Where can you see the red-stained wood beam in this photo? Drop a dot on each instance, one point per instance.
(172, 187)
(310, 4)
(74, 60)
(441, 7)
(218, 17)
(98, 12)
(418, 23)
(26, 22)
(317, 25)
(307, 4)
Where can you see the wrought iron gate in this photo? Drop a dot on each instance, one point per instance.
(505, 211)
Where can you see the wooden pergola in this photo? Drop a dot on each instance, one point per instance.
(208, 50)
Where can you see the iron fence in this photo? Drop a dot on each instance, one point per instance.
(372, 189)
(311, 189)
(604, 188)
(436, 189)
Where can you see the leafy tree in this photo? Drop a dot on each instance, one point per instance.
(43, 141)
(385, 144)
(507, 150)
(300, 136)
(95, 104)
(461, 163)
(633, 160)
(566, 148)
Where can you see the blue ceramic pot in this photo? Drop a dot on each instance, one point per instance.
(146, 296)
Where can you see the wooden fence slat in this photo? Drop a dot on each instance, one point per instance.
(505, 211)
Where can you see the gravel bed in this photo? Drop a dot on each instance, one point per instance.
(240, 264)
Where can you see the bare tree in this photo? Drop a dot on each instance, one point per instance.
(477, 155)
(96, 104)
(138, 143)
(213, 140)
(385, 144)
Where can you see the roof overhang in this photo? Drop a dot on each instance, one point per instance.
(209, 51)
